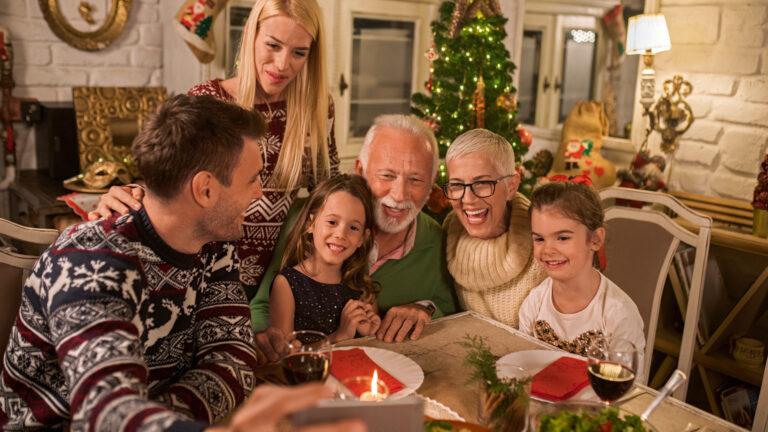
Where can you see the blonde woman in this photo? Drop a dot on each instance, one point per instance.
(280, 73)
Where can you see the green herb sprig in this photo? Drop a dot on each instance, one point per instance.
(507, 398)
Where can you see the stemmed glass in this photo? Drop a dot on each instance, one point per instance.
(307, 358)
(611, 367)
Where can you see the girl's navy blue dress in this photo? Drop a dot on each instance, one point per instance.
(318, 305)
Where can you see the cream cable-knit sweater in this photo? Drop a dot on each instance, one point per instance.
(493, 276)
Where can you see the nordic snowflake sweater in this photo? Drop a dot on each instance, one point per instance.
(493, 276)
(117, 331)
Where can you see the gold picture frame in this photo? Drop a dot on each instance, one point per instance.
(108, 118)
(95, 40)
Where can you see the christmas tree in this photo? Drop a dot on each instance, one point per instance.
(470, 82)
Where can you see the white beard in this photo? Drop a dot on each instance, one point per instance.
(389, 224)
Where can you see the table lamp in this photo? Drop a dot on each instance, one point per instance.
(647, 35)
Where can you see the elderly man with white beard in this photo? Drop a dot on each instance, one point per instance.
(399, 160)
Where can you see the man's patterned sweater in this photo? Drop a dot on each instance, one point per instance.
(117, 331)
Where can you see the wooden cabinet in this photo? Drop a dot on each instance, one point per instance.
(740, 309)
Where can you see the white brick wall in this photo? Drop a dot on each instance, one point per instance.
(46, 68)
(721, 48)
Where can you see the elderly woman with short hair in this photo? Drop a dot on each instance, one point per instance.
(489, 246)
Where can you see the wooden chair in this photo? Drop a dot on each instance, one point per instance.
(15, 268)
(640, 247)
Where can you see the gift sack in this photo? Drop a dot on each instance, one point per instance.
(579, 151)
(194, 23)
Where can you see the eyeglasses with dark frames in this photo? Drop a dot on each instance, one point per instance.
(481, 188)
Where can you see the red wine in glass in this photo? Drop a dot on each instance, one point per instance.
(610, 380)
(307, 357)
(611, 366)
(305, 367)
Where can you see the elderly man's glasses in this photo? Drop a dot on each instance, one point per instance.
(481, 188)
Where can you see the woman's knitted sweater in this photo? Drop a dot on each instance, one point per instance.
(493, 276)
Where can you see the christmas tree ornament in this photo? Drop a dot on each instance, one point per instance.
(507, 102)
(482, 8)
(432, 122)
(458, 13)
(478, 100)
(194, 23)
(526, 138)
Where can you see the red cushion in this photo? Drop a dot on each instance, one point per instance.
(560, 380)
(355, 362)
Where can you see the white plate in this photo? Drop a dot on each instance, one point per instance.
(399, 366)
(536, 360)
(438, 411)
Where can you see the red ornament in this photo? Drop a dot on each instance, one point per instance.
(525, 137)
(437, 202)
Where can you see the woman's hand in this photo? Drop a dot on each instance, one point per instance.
(351, 316)
(118, 199)
(372, 321)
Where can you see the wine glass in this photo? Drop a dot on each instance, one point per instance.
(611, 367)
(307, 358)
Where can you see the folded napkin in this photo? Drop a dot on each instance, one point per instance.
(355, 362)
(560, 380)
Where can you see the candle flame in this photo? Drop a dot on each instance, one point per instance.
(375, 383)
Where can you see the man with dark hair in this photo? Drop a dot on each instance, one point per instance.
(140, 321)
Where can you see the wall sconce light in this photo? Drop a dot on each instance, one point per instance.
(671, 115)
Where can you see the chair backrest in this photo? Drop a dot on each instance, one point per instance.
(14, 270)
(640, 247)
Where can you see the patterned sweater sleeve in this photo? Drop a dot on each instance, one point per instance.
(223, 373)
(91, 301)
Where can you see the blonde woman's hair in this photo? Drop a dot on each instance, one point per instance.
(482, 141)
(307, 96)
(408, 123)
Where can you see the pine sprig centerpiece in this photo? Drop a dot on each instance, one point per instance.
(505, 401)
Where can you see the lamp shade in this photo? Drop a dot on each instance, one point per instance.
(647, 32)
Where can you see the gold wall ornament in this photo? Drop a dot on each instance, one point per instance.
(94, 40)
(109, 118)
(671, 116)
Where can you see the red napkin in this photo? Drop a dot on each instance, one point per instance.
(560, 380)
(355, 362)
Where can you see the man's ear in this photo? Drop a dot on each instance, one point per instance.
(598, 239)
(512, 184)
(206, 189)
(364, 237)
(358, 167)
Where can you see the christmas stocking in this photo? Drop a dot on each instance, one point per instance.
(579, 152)
(194, 22)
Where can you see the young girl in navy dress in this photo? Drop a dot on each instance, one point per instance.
(576, 303)
(324, 283)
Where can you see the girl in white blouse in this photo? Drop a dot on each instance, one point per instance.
(576, 303)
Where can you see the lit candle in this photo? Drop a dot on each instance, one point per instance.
(373, 395)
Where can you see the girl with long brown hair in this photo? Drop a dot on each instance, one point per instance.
(324, 283)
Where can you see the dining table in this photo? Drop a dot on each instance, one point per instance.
(446, 376)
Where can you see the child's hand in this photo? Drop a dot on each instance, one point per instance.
(351, 316)
(371, 323)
